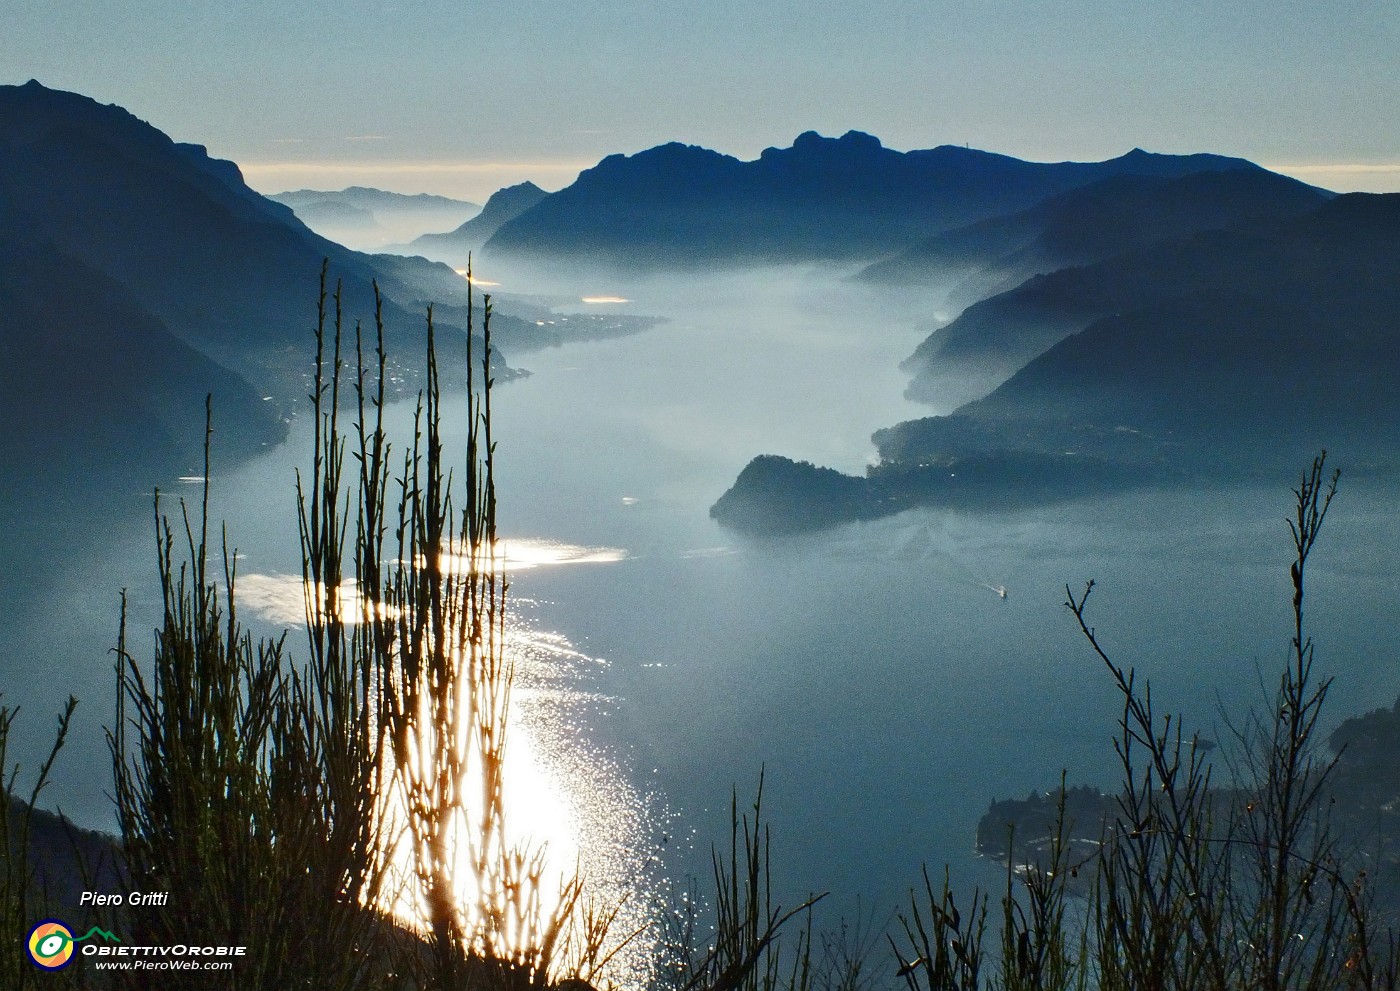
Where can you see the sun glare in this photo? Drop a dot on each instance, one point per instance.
(563, 802)
(281, 599)
(522, 554)
(526, 553)
(474, 279)
(539, 820)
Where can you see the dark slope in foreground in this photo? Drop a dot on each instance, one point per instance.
(65, 858)
(823, 198)
(1243, 375)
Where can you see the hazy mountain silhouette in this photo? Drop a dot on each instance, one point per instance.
(1316, 262)
(503, 206)
(1093, 223)
(822, 198)
(372, 200)
(138, 276)
(319, 214)
(1215, 384)
(367, 218)
(226, 270)
(1230, 355)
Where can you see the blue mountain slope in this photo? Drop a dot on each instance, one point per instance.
(822, 198)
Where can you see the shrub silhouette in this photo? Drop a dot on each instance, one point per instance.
(1190, 885)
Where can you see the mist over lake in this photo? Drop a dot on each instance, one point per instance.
(872, 669)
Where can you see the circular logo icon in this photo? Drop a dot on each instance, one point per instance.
(50, 945)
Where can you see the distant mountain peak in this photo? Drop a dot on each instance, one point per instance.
(846, 197)
(810, 144)
(511, 201)
(504, 205)
(861, 138)
(1153, 162)
(672, 150)
(810, 140)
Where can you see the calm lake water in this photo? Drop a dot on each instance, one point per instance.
(888, 693)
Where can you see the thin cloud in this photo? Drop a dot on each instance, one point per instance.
(472, 180)
(1346, 177)
(414, 168)
(1366, 168)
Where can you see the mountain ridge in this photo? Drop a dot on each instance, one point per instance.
(1223, 358)
(227, 270)
(370, 219)
(501, 207)
(143, 276)
(994, 337)
(1090, 224)
(845, 198)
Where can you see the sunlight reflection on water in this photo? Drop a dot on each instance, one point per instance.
(522, 553)
(279, 599)
(562, 793)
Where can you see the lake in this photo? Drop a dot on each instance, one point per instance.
(872, 672)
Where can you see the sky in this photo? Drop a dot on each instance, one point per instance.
(463, 98)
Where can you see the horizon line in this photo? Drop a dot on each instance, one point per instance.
(1354, 176)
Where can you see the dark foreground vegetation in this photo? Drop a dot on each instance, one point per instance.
(325, 810)
(1362, 789)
